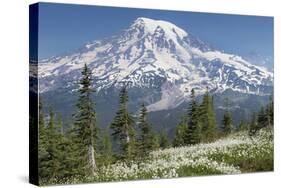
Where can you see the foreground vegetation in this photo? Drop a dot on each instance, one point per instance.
(234, 154)
(84, 152)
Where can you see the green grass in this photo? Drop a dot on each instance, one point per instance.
(236, 153)
(196, 171)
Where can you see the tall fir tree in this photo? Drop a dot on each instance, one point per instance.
(59, 124)
(242, 126)
(227, 123)
(262, 118)
(145, 141)
(43, 156)
(163, 140)
(71, 150)
(193, 133)
(267, 116)
(253, 128)
(85, 128)
(207, 118)
(52, 151)
(41, 117)
(227, 126)
(52, 167)
(270, 112)
(155, 141)
(123, 128)
(64, 146)
(180, 133)
(105, 149)
(66, 155)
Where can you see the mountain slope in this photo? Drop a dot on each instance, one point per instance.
(157, 56)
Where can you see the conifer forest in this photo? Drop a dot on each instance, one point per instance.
(129, 149)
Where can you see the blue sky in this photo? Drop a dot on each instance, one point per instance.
(64, 27)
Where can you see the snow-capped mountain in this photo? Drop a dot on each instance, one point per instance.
(260, 60)
(160, 56)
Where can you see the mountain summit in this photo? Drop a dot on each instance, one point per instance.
(158, 56)
(150, 26)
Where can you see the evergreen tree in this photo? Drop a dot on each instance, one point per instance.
(207, 118)
(41, 117)
(67, 158)
(65, 155)
(180, 133)
(145, 138)
(242, 126)
(262, 118)
(253, 125)
(193, 133)
(163, 140)
(106, 154)
(227, 123)
(270, 112)
(123, 128)
(71, 148)
(53, 149)
(155, 142)
(42, 144)
(52, 163)
(267, 116)
(85, 129)
(227, 119)
(59, 124)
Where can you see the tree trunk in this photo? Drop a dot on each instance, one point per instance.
(127, 136)
(92, 161)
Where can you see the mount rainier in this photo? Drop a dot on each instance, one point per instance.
(159, 62)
